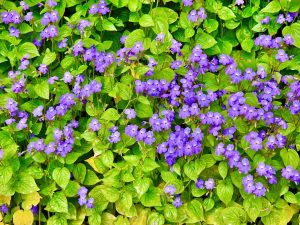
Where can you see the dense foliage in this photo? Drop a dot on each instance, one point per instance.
(149, 112)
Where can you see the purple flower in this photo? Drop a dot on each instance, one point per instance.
(201, 13)
(63, 43)
(28, 17)
(38, 111)
(177, 202)
(187, 2)
(52, 80)
(52, 3)
(193, 16)
(281, 56)
(170, 189)
(130, 113)
(67, 77)
(239, 2)
(288, 39)
(123, 39)
(114, 137)
(160, 37)
(83, 24)
(175, 48)
(200, 183)
(1, 153)
(93, 9)
(260, 190)
(90, 203)
(82, 192)
(102, 8)
(131, 130)
(43, 69)
(15, 17)
(35, 210)
(209, 184)
(4, 208)
(50, 114)
(94, 125)
(280, 19)
(265, 20)
(175, 64)
(82, 201)
(14, 32)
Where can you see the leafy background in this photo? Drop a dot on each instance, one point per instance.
(127, 179)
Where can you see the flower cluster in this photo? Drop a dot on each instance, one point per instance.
(82, 200)
(291, 174)
(181, 142)
(235, 160)
(194, 16)
(250, 187)
(281, 18)
(100, 8)
(209, 184)
(62, 144)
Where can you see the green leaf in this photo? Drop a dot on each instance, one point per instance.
(210, 25)
(124, 91)
(247, 45)
(294, 6)
(194, 211)
(205, 40)
(6, 173)
(272, 7)
(297, 142)
(223, 169)
(225, 191)
(61, 176)
(58, 203)
(67, 62)
(143, 110)
(142, 185)
(170, 213)
(133, 37)
(290, 198)
(294, 31)
(49, 58)
(151, 198)
(210, 81)
(134, 5)
(27, 48)
(251, 99)
(107, 25)
(225, 13)
(146, 21)
(79, 172)
(42, 89)
(290, 157)
(90, 178)
(25, 28)
(190, 170)
(149, 165)
(25, 184)
(144, 100)
(253, 206)
(208, 204)
(111, 194)
(167, 74)
(154, 218)
(241, 125)
(110, 114)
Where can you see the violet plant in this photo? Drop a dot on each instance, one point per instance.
(149, 112)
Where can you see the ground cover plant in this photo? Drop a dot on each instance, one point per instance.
(149, 112)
